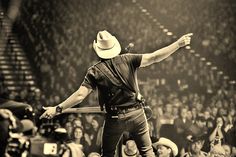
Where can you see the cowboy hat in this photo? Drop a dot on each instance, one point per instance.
(94, 154)
(196, 137)
(129, 149)
(106, 46)
(168, 143)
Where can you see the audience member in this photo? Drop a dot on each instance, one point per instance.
(195, 146)
(129, 149)
(217, 151)
(80, 139)
(181, 126)
(165, 148)
(217, 134)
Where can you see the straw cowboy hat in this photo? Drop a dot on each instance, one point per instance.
(94, 154)
(168, 143)
(129, 149)
(106, 46)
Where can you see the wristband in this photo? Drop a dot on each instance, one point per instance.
(59, 109)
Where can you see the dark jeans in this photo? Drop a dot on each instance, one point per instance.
(135, 122)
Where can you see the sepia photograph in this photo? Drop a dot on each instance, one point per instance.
(117, 78)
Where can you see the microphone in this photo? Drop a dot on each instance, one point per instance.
(129, 47)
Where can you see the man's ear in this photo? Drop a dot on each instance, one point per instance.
(202, 142)
(94, 45)
(169, 150)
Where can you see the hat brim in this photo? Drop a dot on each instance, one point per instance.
(173, 147)
(124, 154)
(109, 53)
(194, 139)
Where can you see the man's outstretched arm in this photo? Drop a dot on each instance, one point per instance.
(165, 52)
(76, 98)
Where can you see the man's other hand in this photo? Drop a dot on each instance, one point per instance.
(184, 40)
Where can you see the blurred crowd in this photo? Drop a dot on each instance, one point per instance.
(211, 21)
(187, 92)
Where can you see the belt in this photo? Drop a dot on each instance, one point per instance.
(123, 109)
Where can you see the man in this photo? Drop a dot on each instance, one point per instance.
(167, 117)
(197, 127)
(115, 78)
(195, 146)
(181, 125)
(165, 148)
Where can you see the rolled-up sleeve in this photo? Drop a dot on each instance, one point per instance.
(134, 59)
(89, 80)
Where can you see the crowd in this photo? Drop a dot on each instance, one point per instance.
(180, 118)
(211, 21)
(187, 93)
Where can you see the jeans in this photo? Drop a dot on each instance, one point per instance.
(135, 122)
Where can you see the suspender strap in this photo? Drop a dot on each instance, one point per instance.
(121, 78)
(107, 72)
